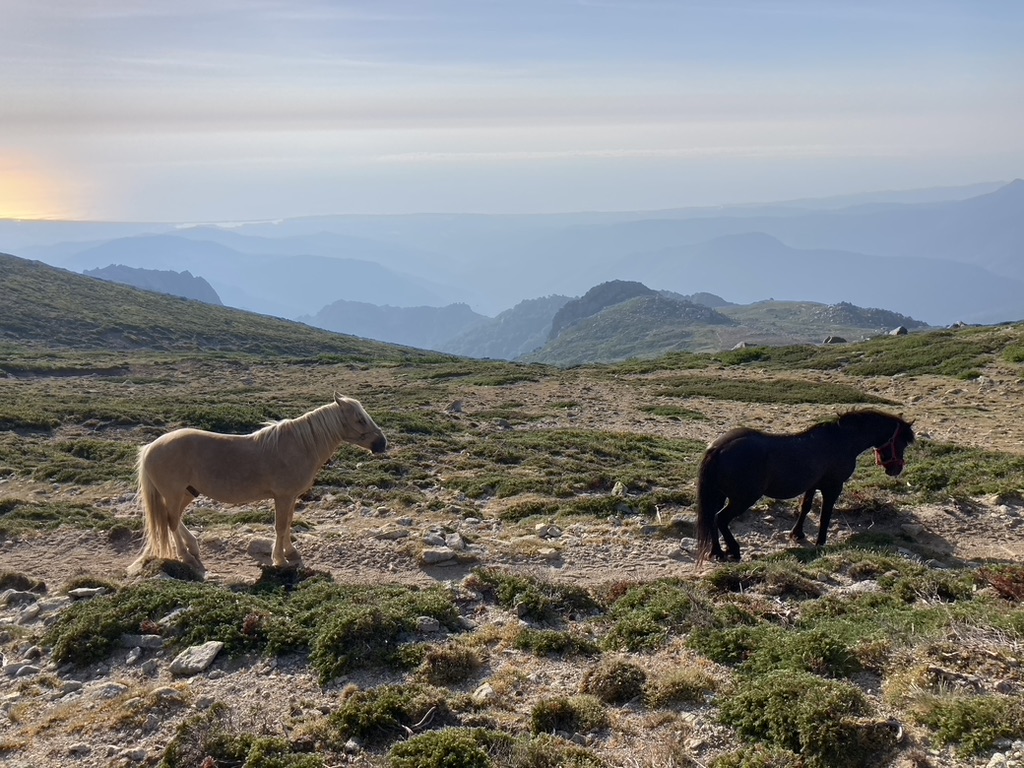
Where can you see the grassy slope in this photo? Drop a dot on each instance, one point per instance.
(649, 328)
(57, 308)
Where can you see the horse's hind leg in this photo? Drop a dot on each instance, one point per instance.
(284, 552)
(185, 542)
(797, 534)
(722, 519)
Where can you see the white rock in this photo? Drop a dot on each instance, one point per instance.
(194, 660)
(484, 694)
(437, 555)
(84, 593)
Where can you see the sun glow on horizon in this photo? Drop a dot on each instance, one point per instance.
(27, 193)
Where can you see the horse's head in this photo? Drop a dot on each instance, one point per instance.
(363, 431)
(889, 455)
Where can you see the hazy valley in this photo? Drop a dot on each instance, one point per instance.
(490, 286)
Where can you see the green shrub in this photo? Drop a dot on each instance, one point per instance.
(378, 716)
(533, 598)
(547, 751)
(684, 685)
(20, 517)
(212, 736)
(342, 627)
(614, 681)
(758, 756)
(645, 616)
(449, 748)
(777, 577)
(554, 642)
(815, 718)
(972, 722)
(449, 665)
(569, 714)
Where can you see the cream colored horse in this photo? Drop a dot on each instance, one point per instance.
(278, 462)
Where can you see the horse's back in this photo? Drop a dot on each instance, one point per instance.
(193, 446)
(733, 435)
(750, 464)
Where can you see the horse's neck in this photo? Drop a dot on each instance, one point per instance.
(874, 435)
(313, 437)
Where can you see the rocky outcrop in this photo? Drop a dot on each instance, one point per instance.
(183, 284)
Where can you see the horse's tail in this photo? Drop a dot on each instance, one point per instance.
(709, 503)
(156, 525)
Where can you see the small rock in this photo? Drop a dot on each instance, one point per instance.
(107, 690)
(171, 617)
(70, 686)
(484, 694)
(437, 556)
(133, 657)
(427, 624)
(29, 614)
(194, 660)
(260, 549)
(17, 597)
(84, 593)
(19, 669)
(391, 534)
(79, 749)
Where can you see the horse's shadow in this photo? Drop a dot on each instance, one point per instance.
(873, 525)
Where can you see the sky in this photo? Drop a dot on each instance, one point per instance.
(237, 110)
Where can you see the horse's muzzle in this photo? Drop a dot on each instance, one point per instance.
(380, 445)
(892, 466)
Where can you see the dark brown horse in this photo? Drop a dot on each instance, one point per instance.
(744, 464)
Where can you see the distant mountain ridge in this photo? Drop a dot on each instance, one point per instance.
(287, 286)
(60, 308)
(941, 256)
(182, 284)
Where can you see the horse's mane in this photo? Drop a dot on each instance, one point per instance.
(317, 431)
(859, 416)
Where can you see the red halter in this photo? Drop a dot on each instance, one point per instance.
(895, 461)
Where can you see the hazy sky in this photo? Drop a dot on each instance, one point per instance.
(203, 110)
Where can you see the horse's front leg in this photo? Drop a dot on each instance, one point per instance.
(828, 501)
(797, 534)
(284, 553)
